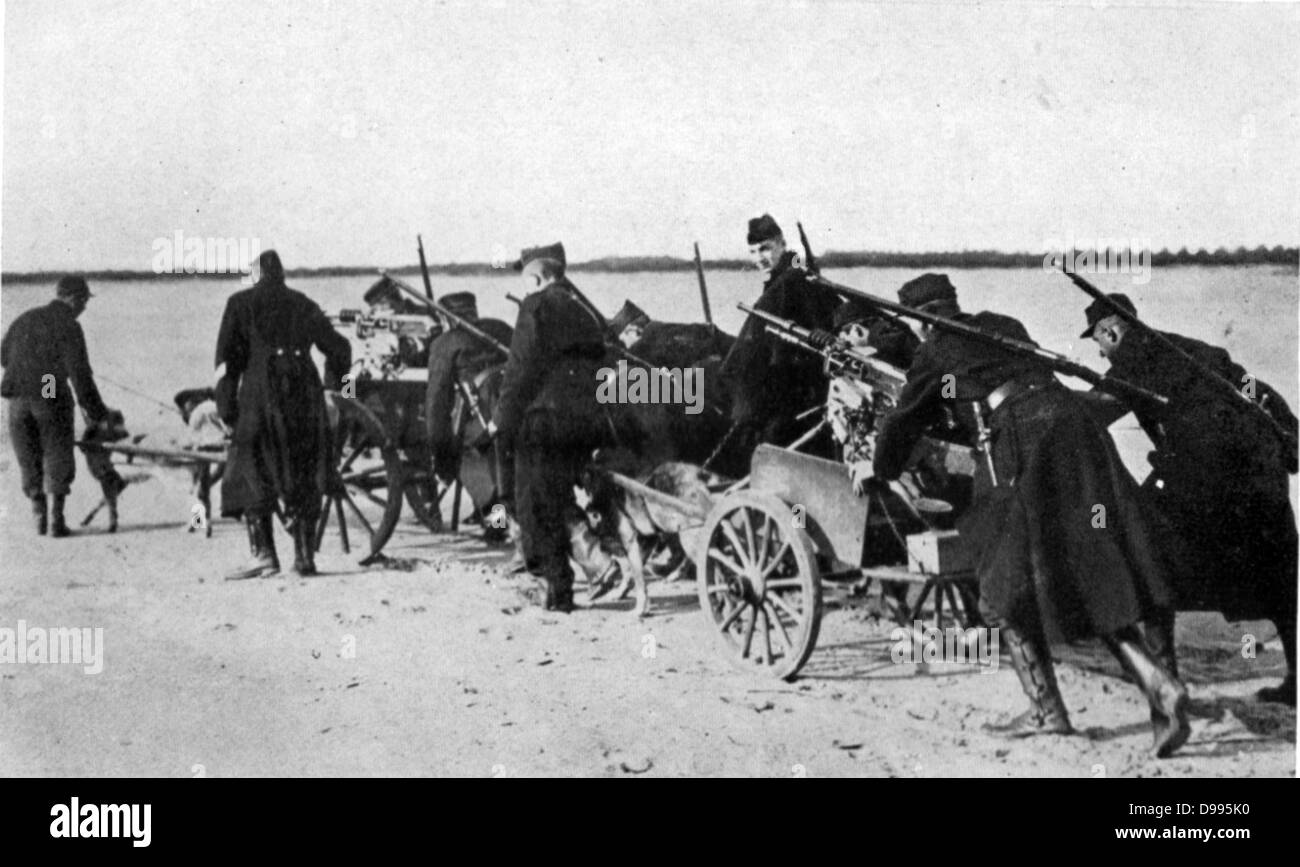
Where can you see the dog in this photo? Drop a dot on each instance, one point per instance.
(623, 534)
(198, 409)
(111, 429)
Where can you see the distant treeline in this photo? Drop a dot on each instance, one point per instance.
(1261, 255)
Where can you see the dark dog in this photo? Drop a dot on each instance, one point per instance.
(100, 463)
(631, 531)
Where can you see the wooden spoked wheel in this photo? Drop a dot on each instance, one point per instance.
(363, 494)
(758, 583)
(422, 494)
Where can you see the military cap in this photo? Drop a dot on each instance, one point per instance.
(383, 289)
(463, 304)
(926, 289)
(554, 252)
(72, 286)
(630, 314)
(1099, 310)
(762, 229)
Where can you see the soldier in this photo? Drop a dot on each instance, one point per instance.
(456, 358)
(548, 410)
(628, 325)
(771, 381)
(270, 394)
(1056, 528)
(42, 352)
(1218, 480)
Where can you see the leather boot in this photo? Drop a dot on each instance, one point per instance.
(304, 561)
(39, 505)
(1047, 714)
(1166, 694)
(58, 526)
(1284, 693)
(261, 545)
(561, 597)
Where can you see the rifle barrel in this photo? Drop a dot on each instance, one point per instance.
(424, 268)
(443, 311)
(1053, 359)
(1195, 363)
(704, 287)
(810, 261)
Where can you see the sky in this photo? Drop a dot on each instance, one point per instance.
(335, 131)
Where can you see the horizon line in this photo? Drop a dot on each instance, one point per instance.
(1262, 254)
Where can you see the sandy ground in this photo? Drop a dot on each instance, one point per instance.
(433, 665)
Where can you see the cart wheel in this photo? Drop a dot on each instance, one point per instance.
(363, 495)
(422, 496)
(758, 583)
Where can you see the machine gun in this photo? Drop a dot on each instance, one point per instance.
(1054, 360)
(439, 310)
(841, 358)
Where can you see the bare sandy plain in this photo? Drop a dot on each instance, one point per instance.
(431, 664)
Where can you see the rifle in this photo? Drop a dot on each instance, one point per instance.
(704, 289)
(437, 308)
(424, 268)
(809, 260)
(841, 359)
(1054, 360)
(1196, 364)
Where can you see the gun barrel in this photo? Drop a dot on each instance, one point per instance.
(1054, 360)
(838, 354)
(1195, 363)
(424, 268)
(704, 287)
(810, 261)
(443, 311)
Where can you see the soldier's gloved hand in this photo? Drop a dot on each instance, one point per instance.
(821, 339)
(860, 474)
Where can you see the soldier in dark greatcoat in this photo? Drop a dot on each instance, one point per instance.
(270, 394)
(1218, 479)
(771, 382)
(548, 411)
(42, 352)
(456, 359)
(1061, 548)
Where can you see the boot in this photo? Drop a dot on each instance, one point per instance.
(58, 526)
(1284, 693)
(1166, 694)
(561, 597)
(551, 593)
(38, 509)
(261, 545)
(304, 540)
(1047, 714)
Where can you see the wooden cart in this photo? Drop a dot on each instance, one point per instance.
(763, 552)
